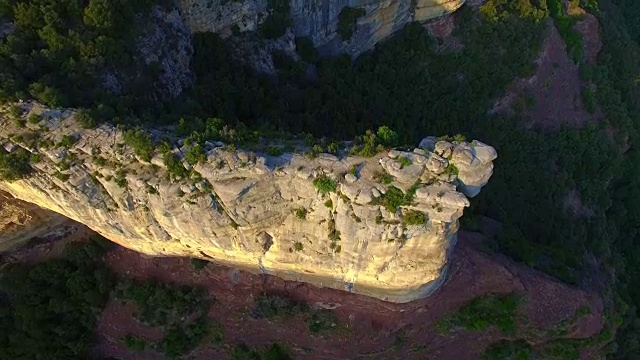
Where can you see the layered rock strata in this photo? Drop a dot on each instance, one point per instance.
(380, 226)
(317, 19)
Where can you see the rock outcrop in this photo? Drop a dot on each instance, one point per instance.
(317, 19)
(21, 221)
(381, 226)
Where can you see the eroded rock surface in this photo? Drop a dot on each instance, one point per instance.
(264, 213)
(317, 19)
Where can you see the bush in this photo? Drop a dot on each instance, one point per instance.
(14, 166)
(50, 308)
(141, 143)
(301, 213)
(383, 177)
(404, 161)
(174, 166)
(273, 306)
(163, 304)
(395, 198)
(325, 184)
(297, 246)
(199, 264)
(321, 321)
(135, 343)
(306, 50)
(329, 204)
(508, 350)
(413, 217)
(67, 141)
(483, 312)
(347, 20)
(273, 352)
(179, 340)
(34, 119)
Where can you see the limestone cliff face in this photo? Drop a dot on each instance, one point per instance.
(264, 213)
(317, 19)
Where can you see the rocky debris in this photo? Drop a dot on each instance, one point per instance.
(353, 229)
(317, 20)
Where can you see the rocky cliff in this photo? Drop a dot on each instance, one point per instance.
(316, 19)
(381, 226)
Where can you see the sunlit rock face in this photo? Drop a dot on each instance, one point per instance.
(317, 19)
(384, 229)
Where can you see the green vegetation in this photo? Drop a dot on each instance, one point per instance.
(69, 45)
(508, 350)
(34, 119)
(161, 304)
(301, 213)
(141, 143)
(413, 217)
(199, 264)
(404, 161)
(135, 343)
(272, 352)
(329, 203)
(274, 307)
(325, 184)
(307, 50)
(395, 198)
(276, 24)
(383, 177)
(297, 246)
(482, 313)
(321, 321)
(15, 165)
(565, 24)
(50, 308)
(174, 166)
(347, 20)
(67, 141)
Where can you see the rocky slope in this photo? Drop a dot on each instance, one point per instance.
(263, 213)
(316, 19)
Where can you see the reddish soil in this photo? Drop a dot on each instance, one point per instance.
(367, 327)
(554, 91)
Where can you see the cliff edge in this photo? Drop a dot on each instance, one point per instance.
(382, 226)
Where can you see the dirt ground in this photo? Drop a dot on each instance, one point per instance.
(367, 328)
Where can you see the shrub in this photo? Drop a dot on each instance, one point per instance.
(507, 350)
(413, 217)
(179, 340)
(274, 306)
(306, 49)
(199, 264)
(347, 20)
(135, 343)
(14, 166)
(174, 166)
(301, 213)
(483, 312)
(322, 321)
(50, 308)
(141, 143)
(34, 119)
(404, 161)
(274, 151)
(67, 141)
(394, 198)
(383, 177)
(325, 184)
(273, 352)
(328, 203)
(298, 246)
(195, 155)
(163, 304)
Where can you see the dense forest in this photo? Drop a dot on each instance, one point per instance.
(409, 86)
